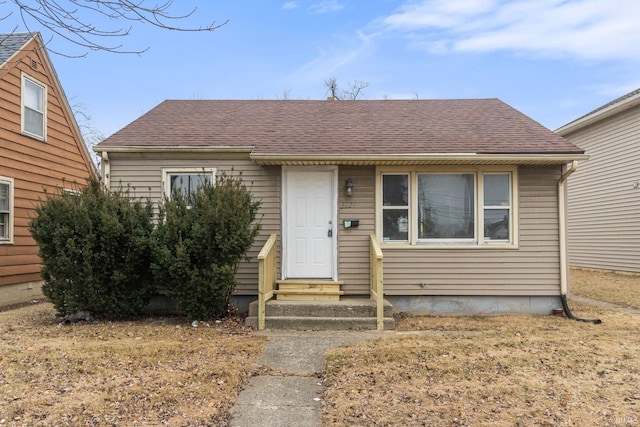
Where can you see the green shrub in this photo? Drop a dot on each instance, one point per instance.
(201, 238)
(96, 251)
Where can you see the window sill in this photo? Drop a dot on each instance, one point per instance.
(34, 136)
(453, 246)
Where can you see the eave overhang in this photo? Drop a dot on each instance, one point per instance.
(416, 159)
(274, 159)
(172, 149)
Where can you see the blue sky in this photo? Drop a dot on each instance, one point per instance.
(553, 60)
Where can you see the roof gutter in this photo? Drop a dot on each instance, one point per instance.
(416, 158)
(172, 149)
(562, 227)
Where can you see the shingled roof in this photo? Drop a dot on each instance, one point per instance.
(343, 128)
(10, 43)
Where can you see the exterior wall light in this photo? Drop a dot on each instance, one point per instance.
(348, 187)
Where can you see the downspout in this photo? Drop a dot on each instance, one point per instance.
(564, 265)
(106, 170)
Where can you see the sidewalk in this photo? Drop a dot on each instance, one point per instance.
(605, 304)
(289, 391)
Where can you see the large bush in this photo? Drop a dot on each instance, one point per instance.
(96, 251)
(201, 238)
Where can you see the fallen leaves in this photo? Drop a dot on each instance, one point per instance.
(120, 373)
(503, 370)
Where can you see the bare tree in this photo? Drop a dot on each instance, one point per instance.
(73, 20)
(286, 94)
(91, 135)
(355, 89)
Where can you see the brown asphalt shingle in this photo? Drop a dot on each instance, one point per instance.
(483, 126)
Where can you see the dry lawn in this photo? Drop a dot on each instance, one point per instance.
(492, 371)
(144, 373)
(460, 371)
(616, 288)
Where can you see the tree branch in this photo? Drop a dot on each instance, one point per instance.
(73, 20)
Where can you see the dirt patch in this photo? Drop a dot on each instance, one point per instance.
(148, 372)
(488, 371)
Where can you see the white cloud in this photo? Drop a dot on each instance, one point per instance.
(290, 5)
(586, 29)
(330, 61)
(326, 6)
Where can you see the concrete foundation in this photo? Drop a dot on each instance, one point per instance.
(473, 305)
(20, 293)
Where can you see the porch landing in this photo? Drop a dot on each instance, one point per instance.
(347, 313)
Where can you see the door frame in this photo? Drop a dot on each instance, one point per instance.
(334, 214)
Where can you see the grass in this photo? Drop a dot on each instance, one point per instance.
(439, 371)
(491, 371)
(148, 372)
(616, 288)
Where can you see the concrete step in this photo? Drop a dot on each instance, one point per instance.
(320, 323)
(348, 313)
(346, 307)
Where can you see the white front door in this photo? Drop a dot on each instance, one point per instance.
(309, 223)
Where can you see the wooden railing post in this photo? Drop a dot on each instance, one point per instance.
(376, 283)
(266, 277)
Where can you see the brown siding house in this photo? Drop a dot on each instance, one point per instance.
(40, 148)
(604, 193)
(464, 197)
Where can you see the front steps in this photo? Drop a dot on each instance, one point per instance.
(308, 290)
(344, 314)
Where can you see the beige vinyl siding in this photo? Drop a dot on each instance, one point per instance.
(353, 243)
(143, 175)
(531, 270)
(603, 201)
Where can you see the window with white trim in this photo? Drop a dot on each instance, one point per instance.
(186, 180)
(34, 108)
(6, 210)
(444, 207)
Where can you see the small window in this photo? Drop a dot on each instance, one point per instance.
(395, 207)
(497, 207)
(186, 181)
(6, 210)
(34, 114)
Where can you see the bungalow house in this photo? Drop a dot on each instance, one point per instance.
(442, 206)
(604, 193)
(41, 149)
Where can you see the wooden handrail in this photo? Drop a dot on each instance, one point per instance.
(376, 283)
(266, 277)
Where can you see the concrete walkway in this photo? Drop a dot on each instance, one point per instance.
(289, 391)
(603, 304)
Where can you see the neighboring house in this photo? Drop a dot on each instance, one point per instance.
(604, 193)
(464, 197)
(40, 148)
